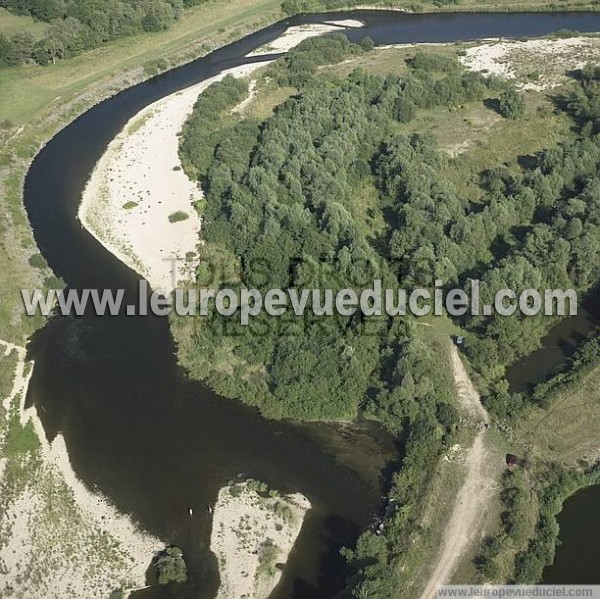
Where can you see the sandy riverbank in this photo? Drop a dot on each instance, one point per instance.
(138, 183)
(252, 537)
(534, 65)
(294, 35)
(57, 538)
(538, 64)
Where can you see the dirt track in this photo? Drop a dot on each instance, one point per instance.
(467, 515)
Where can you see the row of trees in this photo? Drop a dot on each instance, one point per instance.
(293, 7)
(526, 543)
(585, 359)
(77, 26)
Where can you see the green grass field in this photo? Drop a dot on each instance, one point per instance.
(568, 432)
(35, 102)
(31, 90)
(10, 24)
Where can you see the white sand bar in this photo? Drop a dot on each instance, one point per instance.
(138, 183)
(549, 59)
(252, 537)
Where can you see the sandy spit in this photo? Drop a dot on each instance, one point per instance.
(294, 35)
(252, 537)
(138, 183)
(62, 556)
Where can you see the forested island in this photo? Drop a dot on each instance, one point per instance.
(332, 187)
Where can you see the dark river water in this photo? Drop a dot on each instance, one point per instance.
(576, 559)
(136, 429)
(556, 348)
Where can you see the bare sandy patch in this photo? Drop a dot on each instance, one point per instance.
(138, 185)
(536, 65)
(246, 102)
(347, 23)
(252, 537)
(57, 538)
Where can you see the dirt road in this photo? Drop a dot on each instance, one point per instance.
(469, 509)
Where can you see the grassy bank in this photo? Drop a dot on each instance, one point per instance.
(426, 6)
(36, 102)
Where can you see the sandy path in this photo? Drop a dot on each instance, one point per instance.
(469, 509)
(252, 93)
(468, 396)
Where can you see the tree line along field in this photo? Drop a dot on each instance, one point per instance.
(80, 26)
(36, 101)
(280, 189)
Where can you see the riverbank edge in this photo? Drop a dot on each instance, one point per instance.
(73, 106)
(51, 460)
(496, 7)
(27, 142)
(587, 480)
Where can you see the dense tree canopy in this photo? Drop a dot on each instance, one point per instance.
(279, 200)
(79, 25)
(280, 212)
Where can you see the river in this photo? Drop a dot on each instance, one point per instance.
(576, 560)
(135, 428)
(556, 348)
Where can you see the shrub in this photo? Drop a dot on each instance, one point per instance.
(511, 104)
(171, 566)
(177, 217)
(37, 261)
